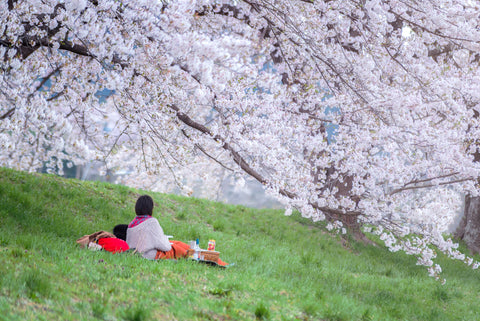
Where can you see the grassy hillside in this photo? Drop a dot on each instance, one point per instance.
(286, 268)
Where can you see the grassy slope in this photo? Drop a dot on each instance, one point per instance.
(286, 268)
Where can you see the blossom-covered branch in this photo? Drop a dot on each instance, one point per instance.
(343, 110)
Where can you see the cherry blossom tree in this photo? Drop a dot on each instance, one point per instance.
(258, 87)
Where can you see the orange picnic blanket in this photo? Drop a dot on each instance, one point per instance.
(179, 250)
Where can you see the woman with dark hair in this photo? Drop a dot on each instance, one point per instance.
(144, 233)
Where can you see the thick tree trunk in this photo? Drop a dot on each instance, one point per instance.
(353, 226)
(469, 228)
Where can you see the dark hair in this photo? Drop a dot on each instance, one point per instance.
(120, 231)
(144, 205)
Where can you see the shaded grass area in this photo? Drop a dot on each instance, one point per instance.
(286, 268)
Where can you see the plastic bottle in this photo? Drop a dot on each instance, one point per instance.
(196, 250)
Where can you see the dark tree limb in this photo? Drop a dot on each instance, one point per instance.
(8, 114)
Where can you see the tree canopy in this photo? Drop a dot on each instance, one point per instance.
(257, 87)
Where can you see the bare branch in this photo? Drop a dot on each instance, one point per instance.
(197, 145)
(431, 179)
(423, 28)
(116, 141)
(398, 190)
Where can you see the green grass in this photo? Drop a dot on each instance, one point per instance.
(286, 268)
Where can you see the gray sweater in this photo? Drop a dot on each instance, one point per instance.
(147, 237)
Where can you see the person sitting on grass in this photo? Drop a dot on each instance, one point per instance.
(146, 235)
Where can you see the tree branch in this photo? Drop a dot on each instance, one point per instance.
(197, 145)
(398, 190)
(10, 4)
(240, 161)
(8, 114)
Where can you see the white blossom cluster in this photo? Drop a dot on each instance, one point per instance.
(338, 108)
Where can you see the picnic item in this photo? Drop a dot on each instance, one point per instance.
(94, 237)
(211, 245)
(113, 244)
(94, 246)
(204, 255)
(196, 250)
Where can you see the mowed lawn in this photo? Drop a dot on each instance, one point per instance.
(285, 268)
